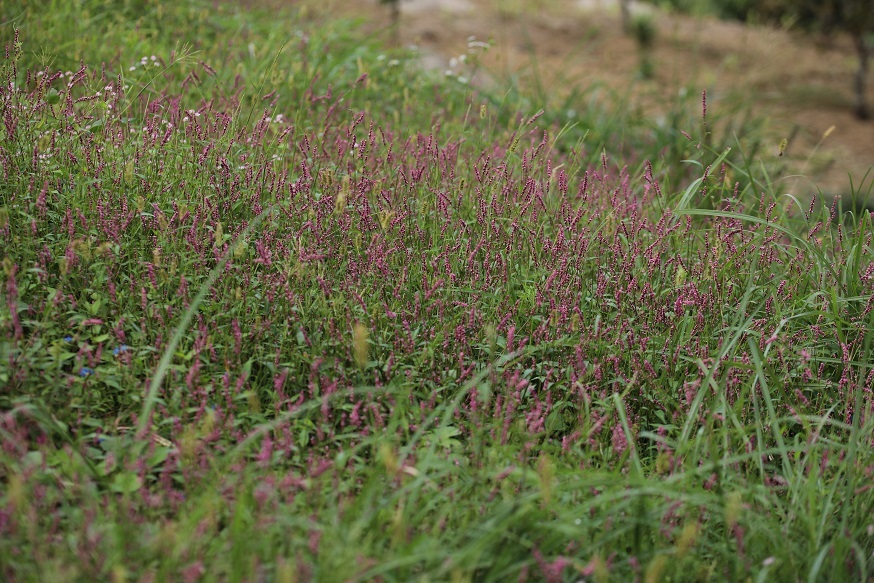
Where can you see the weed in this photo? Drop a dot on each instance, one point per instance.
(275, 304)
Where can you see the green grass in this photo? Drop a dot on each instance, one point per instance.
(281, 307)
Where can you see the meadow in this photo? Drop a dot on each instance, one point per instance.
(279, 306)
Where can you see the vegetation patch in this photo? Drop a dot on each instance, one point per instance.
(278, 306)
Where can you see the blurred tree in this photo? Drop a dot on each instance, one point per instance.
(644, 30)
(737, 9)
(854, 17)
(625, 9)
(395, 6)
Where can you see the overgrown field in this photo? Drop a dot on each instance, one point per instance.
(276, 306)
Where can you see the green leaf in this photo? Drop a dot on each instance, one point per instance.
(159, 456)
(126, 483)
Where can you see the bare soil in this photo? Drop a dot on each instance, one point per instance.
(801, 85)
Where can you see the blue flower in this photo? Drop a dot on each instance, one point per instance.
(68, 338)
(120, 349)
(85, 371)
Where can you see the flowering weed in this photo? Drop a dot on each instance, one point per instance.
(276, 307)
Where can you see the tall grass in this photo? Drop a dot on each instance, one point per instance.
(278, 306)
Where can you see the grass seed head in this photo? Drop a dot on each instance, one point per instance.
(687, 538)
(343, 195)
(655, 569)
(241, 249)
(733, 507)
(546, 473)
(360, 347)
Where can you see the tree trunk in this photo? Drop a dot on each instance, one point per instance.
(625, 8)
(864, 51)
(395, 12)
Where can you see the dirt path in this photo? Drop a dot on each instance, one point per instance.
(802, 89)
